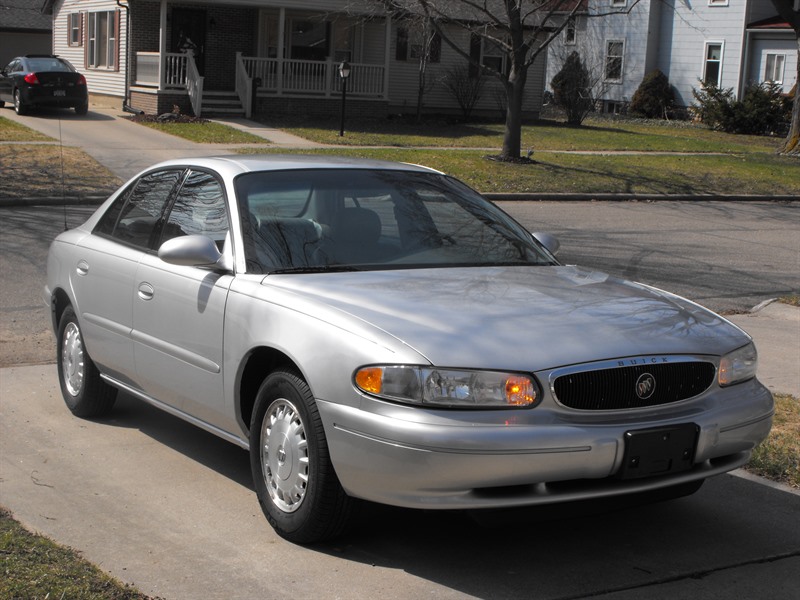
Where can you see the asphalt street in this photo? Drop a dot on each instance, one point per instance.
(171, 509)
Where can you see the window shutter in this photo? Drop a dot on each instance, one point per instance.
(85, 31)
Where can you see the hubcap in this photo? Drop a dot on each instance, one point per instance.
(284, 455)
(72, 359)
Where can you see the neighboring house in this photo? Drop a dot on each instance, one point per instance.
(23, 30)
(732, 43)
(217, 57)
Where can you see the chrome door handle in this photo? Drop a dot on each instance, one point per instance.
(146, 291)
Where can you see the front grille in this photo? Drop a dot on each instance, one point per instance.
(616, 388)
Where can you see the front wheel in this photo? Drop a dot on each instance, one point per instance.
(294, 479)
(19, 107)
(84, 391)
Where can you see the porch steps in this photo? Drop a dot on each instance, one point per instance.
(221, 104)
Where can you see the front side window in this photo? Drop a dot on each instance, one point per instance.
(614, 59)
(371, 219)
(712, 70)
(136, 215)
(199, 209)
(74, 23)
(774, 68)
(101, 52)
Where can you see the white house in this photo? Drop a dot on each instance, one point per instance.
(261, 56)
(732, 43)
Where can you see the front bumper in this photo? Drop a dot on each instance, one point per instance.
(434, 459)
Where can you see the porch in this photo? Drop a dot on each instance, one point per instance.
(229, 59)
(258, 77)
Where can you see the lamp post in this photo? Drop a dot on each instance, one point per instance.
(344, 73)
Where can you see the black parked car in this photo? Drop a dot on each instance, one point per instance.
(43, 80)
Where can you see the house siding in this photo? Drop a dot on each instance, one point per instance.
(404, 82)
(109, 82)
(760, 47)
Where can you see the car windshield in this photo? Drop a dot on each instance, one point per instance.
(42, 64)
(352, 219)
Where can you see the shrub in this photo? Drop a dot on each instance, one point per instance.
(572, 89)
(465, 87)
(654, 96)
(763, 110)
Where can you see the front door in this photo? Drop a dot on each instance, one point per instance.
(189, 34)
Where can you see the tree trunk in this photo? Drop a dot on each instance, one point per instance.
(512, 139)
(792, 144)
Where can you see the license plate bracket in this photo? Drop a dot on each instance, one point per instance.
(659, 451)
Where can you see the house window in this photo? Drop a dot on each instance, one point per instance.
(614, 52)
(712, 70)
(619, 3)
(344, 40)
(718, 2)
(401, 47)
(493, 56)
(414, 48)
(74, 23)
(774, 70)
(101, 52)
(570, 33)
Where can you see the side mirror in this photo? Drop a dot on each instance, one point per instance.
(548, 240)
(192, 251)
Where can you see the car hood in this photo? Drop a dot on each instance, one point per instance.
(526, 318)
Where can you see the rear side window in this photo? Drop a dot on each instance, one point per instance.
(133, 219)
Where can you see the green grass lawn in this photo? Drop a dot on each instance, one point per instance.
(206, 132)
(757, 173)
(595, 135)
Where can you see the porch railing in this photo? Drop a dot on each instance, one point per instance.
(244, 86)
(194, 85)
(169, 73)
(313, 77)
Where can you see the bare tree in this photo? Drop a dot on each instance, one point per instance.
(521, 29)
(787, 11)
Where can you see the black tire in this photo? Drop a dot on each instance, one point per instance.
(19, 107)
(84, 391)
(294, 479)
(2, 103)
(82, 109)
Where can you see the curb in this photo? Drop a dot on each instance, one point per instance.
(493, 196)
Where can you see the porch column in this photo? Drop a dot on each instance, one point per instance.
(162, 43)
(386, 53)
(281, 45)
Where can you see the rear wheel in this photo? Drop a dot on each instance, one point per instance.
(19, 107)
(2, 103)
(82, 109)
(294, 479)
(84, 391)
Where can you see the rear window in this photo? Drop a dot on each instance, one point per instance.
(49, 64)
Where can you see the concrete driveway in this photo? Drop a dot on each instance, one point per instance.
(169, 508)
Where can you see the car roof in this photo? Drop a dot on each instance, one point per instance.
(247, 163)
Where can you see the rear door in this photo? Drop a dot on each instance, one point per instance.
(104, 267)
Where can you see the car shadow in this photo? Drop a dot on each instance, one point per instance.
(63, 113)
(568, 551)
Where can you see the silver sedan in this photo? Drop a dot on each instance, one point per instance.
(380, 331)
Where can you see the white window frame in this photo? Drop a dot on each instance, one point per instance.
(106, 38)
(706, 59)
(775, 71)
(74, 27)
(621, 57)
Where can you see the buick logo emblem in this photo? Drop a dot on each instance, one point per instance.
(645, 386)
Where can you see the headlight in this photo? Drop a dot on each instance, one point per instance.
(738, 366)
(448, 387)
